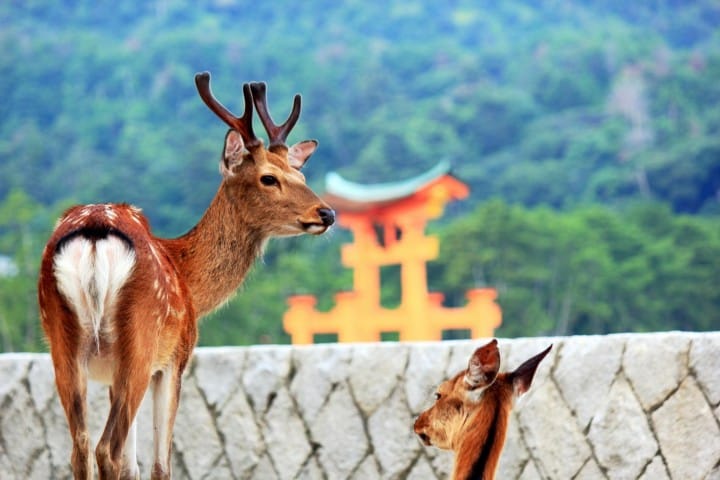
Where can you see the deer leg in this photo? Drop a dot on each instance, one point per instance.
(166, 395)
(130, 381)
(126, 400)
(130, 469)
(71, 381)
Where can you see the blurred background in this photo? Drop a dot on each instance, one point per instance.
(586, 130)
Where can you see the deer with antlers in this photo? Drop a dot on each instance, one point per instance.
(121, 306)
(471, 412)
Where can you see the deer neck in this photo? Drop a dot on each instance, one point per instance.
(482, 440)
(215, 255)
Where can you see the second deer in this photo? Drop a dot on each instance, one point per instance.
(471, 412)
(121, 306)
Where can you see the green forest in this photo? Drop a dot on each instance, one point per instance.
(588, 132)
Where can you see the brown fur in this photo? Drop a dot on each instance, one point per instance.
(471, 412)
(173, 283)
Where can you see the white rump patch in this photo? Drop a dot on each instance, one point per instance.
(90, 275)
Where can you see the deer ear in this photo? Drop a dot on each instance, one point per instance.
(232, 153)
(483, 366)
(522, 377)
(300, 152)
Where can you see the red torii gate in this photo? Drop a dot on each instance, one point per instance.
(388, 225)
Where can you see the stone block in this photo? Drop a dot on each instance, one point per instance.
(339, 434)
(620, 433)
(387, 362)
(688, 434)
(554, 438)
(655, 365)
(585, 370)
(394, 442)
(705, 363)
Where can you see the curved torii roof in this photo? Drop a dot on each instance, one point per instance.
(348, 196)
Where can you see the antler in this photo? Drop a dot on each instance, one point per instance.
(241, 124)
(277, 133)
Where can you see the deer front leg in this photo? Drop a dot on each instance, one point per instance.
(166, 394)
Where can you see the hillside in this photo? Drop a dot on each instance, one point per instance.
(554, 103)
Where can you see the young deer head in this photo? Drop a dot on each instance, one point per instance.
(121, 306)
(471, 412)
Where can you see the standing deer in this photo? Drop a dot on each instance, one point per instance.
(471, 412)
(121, 306)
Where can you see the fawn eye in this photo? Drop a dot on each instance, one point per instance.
(268, 180)
(437, 396)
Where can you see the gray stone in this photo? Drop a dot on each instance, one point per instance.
(266, 370)
(688, 433)
(265, 470)
(285, 437)
(368, 468)
(387, 362)
(442, 461)
(655, 365)
(13, 369)
(521, 349)
(242, 439)
(714, 475)
(218, 373)
(530, 472)
(591, 471)
(655, 470)
(339, 434)
(514, 454)
(392, 436)
(16, 432)
(317, 370)
(620, 432)
(195, 432)
(705, 363)
(551, 432)
(41, 379)
(310, 471)
(221, 469)
(460, 353)
(422, 471)
(425, 371)
(586, 368)
(290, 412)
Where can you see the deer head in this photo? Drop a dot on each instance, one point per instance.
(471, 410)
(267, 179)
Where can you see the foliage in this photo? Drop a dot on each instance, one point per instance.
(554, 108)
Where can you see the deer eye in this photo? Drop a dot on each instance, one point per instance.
(268, 180)
(437, 396)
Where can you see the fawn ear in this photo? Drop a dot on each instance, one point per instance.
(523, 375)
(232, 153)
(300, 152)
(483, 366)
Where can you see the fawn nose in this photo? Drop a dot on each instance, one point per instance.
(327, 216)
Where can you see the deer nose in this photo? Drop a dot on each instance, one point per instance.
(327, 216)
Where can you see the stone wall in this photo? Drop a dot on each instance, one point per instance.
(619, 407)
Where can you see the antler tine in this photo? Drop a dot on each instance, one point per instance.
(278, 133)
(241, 124)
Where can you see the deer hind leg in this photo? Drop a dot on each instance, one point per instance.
(110, 451)
(130, 469)
(133, 350)
(166, 395)
(71, 381)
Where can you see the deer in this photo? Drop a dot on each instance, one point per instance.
(471, 412)
(121, 306)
